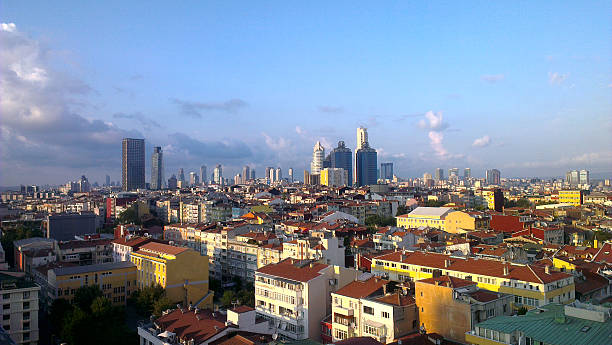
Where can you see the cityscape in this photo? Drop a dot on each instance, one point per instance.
(305, 174)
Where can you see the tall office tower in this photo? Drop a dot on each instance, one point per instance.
(193, 179)
(133, 165)
(439, 174)
(453, 172)
(157, 169)
(267, 175)
(108, 182)
(181, 176)
(290, 175)
(318, 155)
(362, 137)
(386, 171)
(172, 182)
(467, 173)
(252, 173)
(83, 185)
(246, 173)
(218, 174)
(273, 178)
(584, 177)
(203, 174)
(342, 157)
(366, 166)
(279, 174)
(493, 176)
(575, 178)
(327, 162)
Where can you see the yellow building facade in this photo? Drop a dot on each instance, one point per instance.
(433, 217)
(459, 222)
(573, 197)
(182, 272)
(117, 280)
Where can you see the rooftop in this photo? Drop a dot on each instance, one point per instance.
(92, 268)
(292, 269)
(360, 289)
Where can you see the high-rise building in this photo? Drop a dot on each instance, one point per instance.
(467, 173)
(362, 137)
(584, 177)
(203, 174)
(108, 181)
(342, 157)
(133, 164)
(252, 173)
(439, 174)
(290, 175)
(318, 155)
(493, 177)
(279, 174)
(181, 176)
(267, 175)
(172, 182)
(218, 174)
(193, 179)
(366, 166)
(157, 169)
(246, 174)
(386, 171)
(453, 172)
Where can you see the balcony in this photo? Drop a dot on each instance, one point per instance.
(343, 311)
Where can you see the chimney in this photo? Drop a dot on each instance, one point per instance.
(547, 269)
(506, 270)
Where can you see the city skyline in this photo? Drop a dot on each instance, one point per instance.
(67, 101)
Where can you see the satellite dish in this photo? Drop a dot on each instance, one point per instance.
(274, 336)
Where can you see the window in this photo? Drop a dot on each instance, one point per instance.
(6, 317)
(6, 307)
(26, 294)
(26, 326)
(368, 310)
(26, 315)
(6, 296)
(26, 305)
(385, 314)
(26, 336)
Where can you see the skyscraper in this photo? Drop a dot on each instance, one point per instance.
(193, 179)
(366, 166)
(267, 175)
(133, 164)
(181, 176)
(318, 155)
(453, 172)
(439, 174)
(342, 157)
(218, 174)
(108, 181)
(203, 175)
(467, 173)
(493, 176)
(252, 173)
(172, 182)
(246, 174)
(386, 171)
(362, 137)
(290, 175)
(157, 169)
(279, 174)
(584, 177)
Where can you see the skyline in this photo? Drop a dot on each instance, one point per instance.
(259, 85)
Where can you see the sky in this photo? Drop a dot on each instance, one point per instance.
(521, 86)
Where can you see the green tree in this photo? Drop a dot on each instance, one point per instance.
(85, 295)
(228, 298)
(376, 220)
(163, 303)
(60, 310)
(434, 203)
(129, 216)
(401, 209)
(247, 297)
(145, 298)
(522, 311)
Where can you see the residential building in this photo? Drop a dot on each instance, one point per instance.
(323, 246)
(124, 246)
(467, 173)
(433, 217)
(295, 295)
(584, 177)
(117, 280)
(553, 324)
(218, 174)
(85, 252)
(571, 196)
(19, 308)
(65, 226)
(33, 252)
(461, 222)
(452, 306)
(182, 272)
(393, 238)
(530, 285)
(318, 155)
(494, 199)
(157, 169)
(133, 164)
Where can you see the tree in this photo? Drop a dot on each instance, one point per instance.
(60, 310)
(376, 220)
(247, 297)
(161, 304)
(402, 210)
(85, 296)
(522, 311)
(228, 298)
(434, 203)
(145, 298)
(129, 216)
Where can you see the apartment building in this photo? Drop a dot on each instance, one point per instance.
(433, 217)
(458, 222)
(452, 306)
(182, 272)
(530, 285)
(124, 246)
(571, 196)
(19, 308)
(117, 280)
(295, 295)
(321, 245)
(392, 238)
(87, 252)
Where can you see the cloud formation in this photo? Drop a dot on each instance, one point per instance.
(433, 121)
(196, 109)
(39, 127)
(482, 142)
(556, 78)
(139, 117)
(493, 78)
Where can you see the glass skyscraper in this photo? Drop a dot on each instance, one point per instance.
(133, 164)
(157, 169)
(366, 166)
(342, 157)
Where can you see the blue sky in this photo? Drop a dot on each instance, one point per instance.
(520, 86)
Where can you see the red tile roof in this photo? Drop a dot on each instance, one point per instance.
(360, 289)
(397, 299)
(448, 281)
(293, 269)
(161, 248)
(187, 324)
(484, 296)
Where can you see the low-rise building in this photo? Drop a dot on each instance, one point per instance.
(571, 196)
(124, 246)
(433, 217)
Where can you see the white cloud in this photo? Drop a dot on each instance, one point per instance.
(556, 78)
(433, 121)
(493, 78)
(435, 141)
(482, 142)
(299, 130)
(9, 27)
(280, 144)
